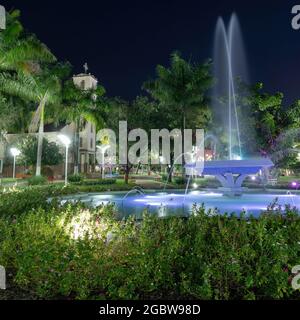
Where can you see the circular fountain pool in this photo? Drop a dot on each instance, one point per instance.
(179, 204)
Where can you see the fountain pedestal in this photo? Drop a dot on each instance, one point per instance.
(231, 184)
(231, 173)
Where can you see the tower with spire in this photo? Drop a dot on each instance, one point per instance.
(86, 140)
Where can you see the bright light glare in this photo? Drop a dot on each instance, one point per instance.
(237, 157)
(103, 147)
(253, 178)
(64, 139)
(15, 152)
(83, 225)
(195, 186)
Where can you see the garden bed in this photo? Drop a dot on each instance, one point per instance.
(71, 251)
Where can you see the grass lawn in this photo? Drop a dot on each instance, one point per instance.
(9, 180)
(288, 179)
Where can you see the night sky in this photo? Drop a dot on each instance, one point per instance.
(123, 41)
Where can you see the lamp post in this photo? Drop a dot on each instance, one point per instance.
(103, 149)
(15, 152)
(66, 141)
(161, 160)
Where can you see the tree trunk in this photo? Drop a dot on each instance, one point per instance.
(128, 167)
(126, 176)
(76, 147)
(40, 144)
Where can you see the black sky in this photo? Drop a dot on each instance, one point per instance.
(123, 41)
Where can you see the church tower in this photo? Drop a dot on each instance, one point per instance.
(85, 137)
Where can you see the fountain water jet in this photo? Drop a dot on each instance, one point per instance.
(229, 63)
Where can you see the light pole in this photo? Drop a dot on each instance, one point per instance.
(161, 160)
(66, 141)
(15, 152)
(103, 149)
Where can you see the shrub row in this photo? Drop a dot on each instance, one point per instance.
(95, 182)
(37, 180)
(75, 178)
(75, 252)
(21, 200)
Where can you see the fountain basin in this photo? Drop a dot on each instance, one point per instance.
(231, 173)
(175, 203)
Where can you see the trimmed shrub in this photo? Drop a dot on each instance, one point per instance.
(75, 178)
(15, 203)
(95, 182)
(37, 180)
(179, 180)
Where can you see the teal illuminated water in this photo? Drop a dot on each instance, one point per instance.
(176, 203)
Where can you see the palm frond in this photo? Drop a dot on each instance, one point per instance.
(19, 86)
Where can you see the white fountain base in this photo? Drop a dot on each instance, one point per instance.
(231, 173)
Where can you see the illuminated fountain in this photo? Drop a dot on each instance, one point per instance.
(231, 171)
(229, 64)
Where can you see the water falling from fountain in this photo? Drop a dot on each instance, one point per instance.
(135, 189)
(229, 64)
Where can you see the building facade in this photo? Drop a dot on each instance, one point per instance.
(83, 139)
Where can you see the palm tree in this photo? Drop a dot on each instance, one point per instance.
(19, 51)
(181, 91)
(80, 106)
(20, 60)
(47, 89)
(20, 71)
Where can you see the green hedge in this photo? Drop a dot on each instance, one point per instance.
(96, 182)
(21, 200)
(15, 203)
(75, 178)
(37, 180)
(75, 252)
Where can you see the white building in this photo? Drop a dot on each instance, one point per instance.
(86, 144)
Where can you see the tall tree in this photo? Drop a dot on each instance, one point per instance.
(140, 113)
(21, 57)
(20, 67)
(181, 91)
(80, 106)
(265, 121)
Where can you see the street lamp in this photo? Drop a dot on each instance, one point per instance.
(15, 152)
(66, 141)
(161, 160)
(103, 149)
